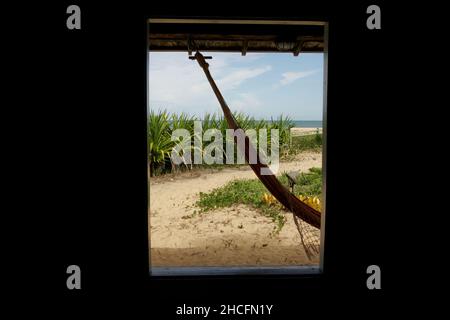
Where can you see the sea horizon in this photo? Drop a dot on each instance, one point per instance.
(307, 123)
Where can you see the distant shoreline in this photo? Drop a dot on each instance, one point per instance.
(307, 123)
(302, 131)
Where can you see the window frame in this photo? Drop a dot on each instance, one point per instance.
(309, 271)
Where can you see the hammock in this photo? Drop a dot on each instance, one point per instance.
(279, 191)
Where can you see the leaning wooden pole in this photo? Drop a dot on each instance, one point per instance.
(280, 192)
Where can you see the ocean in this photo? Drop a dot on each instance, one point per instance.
(307, 124)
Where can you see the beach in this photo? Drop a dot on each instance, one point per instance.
(296, 131)
(233, 236)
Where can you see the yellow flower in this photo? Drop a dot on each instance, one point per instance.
(313, 202)
(269, 199)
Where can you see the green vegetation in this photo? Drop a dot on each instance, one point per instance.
(232, 193)
(159, 142)
(308, 184)
(312, 142)
(161, 124)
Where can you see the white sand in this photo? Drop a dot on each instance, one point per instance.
(304, 131)
(224, 237)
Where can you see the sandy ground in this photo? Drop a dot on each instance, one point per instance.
(304, 131)
(225, 237)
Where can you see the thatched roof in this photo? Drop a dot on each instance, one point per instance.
(236, 35)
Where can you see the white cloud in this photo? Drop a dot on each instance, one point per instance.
(233, 79)
(178, 84)
(289, 77)
(236, 78)
(245, 102)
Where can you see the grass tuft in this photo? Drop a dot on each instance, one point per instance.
(252, 192)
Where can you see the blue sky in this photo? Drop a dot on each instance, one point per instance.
(262, 85)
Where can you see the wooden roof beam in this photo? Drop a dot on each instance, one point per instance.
(298, 48)
(244, 47)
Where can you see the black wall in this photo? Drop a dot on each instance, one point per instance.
(88, 187)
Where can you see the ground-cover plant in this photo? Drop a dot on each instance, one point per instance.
(253, 193)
